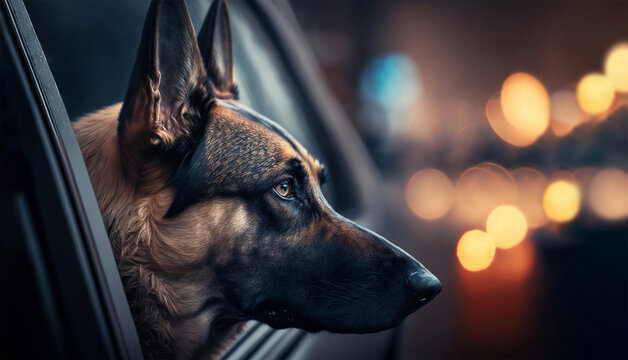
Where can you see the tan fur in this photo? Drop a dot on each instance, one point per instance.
(154, 254)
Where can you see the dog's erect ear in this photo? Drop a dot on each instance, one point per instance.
(162, 99)
(214, 41)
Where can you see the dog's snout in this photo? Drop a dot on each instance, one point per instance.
(423, 285)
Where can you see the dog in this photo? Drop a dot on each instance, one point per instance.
(215, 213)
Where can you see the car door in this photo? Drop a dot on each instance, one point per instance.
(83, 63)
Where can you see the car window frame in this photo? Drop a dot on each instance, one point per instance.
(90, 238)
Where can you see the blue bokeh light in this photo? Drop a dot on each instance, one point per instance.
(391, 81)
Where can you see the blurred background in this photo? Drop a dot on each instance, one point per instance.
(502, 130)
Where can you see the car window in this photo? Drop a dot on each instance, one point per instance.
(262, 81)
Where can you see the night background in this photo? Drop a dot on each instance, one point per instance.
(500, 129)
(422, 84)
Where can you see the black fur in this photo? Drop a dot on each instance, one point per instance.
(214, 42)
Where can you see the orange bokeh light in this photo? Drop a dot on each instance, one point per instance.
(564, 108)
(561, 201)
(476, 250)
(565, 112)
(526, 104)
(429, 194)
(608, 194)
(616, 67)
(595, 93)
(502, 127)
(507, 226)
(479, 190)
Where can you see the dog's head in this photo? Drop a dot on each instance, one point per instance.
(246, 197)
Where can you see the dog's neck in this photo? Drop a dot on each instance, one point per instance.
(176, 315)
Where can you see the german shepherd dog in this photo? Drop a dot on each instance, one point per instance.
(215, 213)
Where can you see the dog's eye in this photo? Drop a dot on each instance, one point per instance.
(285, 189)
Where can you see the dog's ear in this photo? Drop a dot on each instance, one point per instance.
(214, 41)
(162, 102)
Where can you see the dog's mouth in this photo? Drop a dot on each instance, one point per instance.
(277, 315)
(281, 316)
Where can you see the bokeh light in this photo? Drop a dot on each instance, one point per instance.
(507, 226)
(608, 194)
(392, 81)
(616, 67)
(565, 112)
(526, 104)
(502, 127)
(479, 190)
(561, 201)
(531, 185)
(429, 194)
(595, 94)
(509, 269)
(564, 107)
(476, 250)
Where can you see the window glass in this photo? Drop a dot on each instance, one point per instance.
(262, 81)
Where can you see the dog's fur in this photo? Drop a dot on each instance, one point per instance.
(190, 184)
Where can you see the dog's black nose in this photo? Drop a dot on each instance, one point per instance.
(423, 285)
